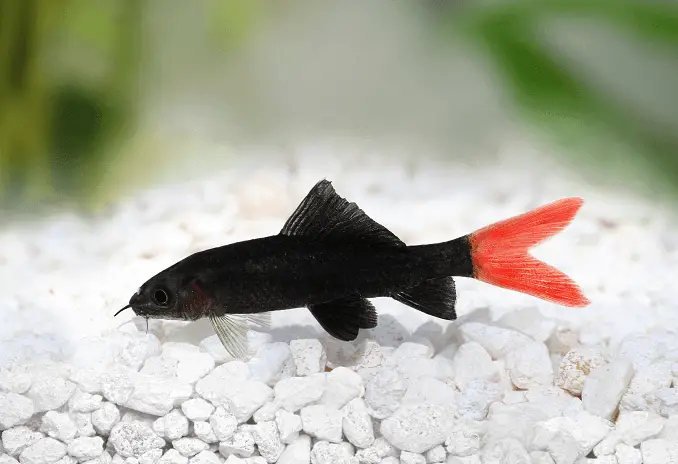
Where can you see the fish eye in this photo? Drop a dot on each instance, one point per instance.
(160, 297)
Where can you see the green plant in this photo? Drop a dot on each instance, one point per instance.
(601, 131)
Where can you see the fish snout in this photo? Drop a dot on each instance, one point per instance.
(134, 301)
(137, 304)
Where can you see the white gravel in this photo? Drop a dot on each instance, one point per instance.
(513, 380)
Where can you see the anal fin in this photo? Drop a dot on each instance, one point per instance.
(435, 297)
(344, 317)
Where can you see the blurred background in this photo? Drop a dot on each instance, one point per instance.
(98, 97)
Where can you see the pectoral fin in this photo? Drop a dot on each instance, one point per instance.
(232, 330)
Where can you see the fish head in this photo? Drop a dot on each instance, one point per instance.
(170, 295)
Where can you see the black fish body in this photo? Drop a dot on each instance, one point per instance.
(331, 258)
(282, 272)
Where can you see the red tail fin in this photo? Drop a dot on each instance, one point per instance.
(500, 254)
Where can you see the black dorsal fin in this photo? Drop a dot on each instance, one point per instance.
(435, 297)
(325, 216)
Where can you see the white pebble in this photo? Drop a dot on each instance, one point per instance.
(172, 426)
(223, 423)
(322, 422)
(157, 396)
(197, 409)
(297, 452)
(7, 459)
(391, 460)
(530, 366)
(203, 430)
(605, 386)
(541, 457)
(496, 340)
(670, 430)
(529, 321)
(384, 392)
(413, 350)
(105, 418)
(15, 409)
(632, 428)
(641, 350)
(85, 448)
(309, 356)
(189, 446)
(149, 457)
(576, 435)
(50, 393)
(324, 452)
(105, 458)
(436, 454)
(576, 366)
(240, 444)
(289, 426)
(235, 460)
(431, 391)
(419, 427)
(663, 401)
(659, 451)
(14, 382)
(132, 439)
(172, 456)
(413, 369)
(507, 450)
(474, 402)
(178, 350)
(368, 355)
(44, 451)
(194, 366)
(16, 439)
(554, 401)
(342, 386)
(83, 421)
(357, 423)
(136, 348)
(267, 411)
(135, 416)
(272, 362)
(84, 402)
(380, 449)
(157, 366)
(628, 454)
(296, 392)
(89, 380)
(463, 439)
(562, 340)
(241, 397)
(473, 362)
(412, 458)
(59, 425)
(205, 457)
(117, 384)
(648, 379)
(268, 441)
